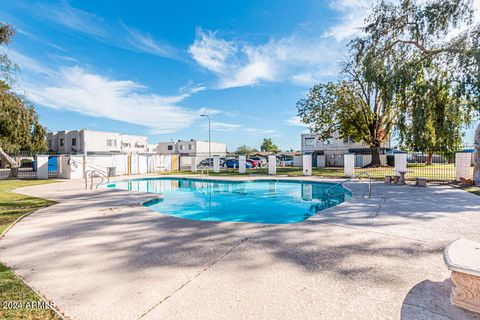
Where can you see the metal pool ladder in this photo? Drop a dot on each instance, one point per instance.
(349, 179)
(93, 174)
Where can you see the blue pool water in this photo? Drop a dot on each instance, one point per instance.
(263, 201)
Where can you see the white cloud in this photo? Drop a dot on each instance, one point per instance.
(209, 111)
(76, 89)
(210, 52)
(28, 64)
(96, 28)
(222, 126)
(235, 127)
(238, 64)
(353, 14)
(146, 43)
(295, 121)
(64, 14)
(305, 78)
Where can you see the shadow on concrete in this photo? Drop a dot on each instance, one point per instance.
(431, 300)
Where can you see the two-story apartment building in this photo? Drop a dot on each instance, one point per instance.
(192, 148)
(312, 143)
(84, 140)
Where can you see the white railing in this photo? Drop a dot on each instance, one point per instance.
(95, 174)
(358, 176)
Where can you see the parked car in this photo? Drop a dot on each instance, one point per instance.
(209, 162)
(283, 161)
(261, 160)
(254, 163)
(233, 163)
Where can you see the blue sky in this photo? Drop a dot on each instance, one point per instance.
(151, 68)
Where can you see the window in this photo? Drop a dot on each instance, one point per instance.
(128, 145)
(309, 142)
(347, 140)
(74, 141)
(49, 144)
(170, 147)
(190, 147)
(61, 142)
(182, 147)
(111, 143)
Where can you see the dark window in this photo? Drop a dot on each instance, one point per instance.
(74, 141)
(170, 147)
(61, 142)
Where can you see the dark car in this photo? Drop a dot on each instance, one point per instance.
(209, 162)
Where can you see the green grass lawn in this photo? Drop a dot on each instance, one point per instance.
(437, 172)
(12, 289)
(474, 190)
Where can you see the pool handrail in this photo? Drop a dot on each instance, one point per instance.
(95, 173)
(349, 179)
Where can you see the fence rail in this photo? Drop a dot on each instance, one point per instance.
(434, 166)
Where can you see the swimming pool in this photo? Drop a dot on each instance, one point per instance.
(258, 201)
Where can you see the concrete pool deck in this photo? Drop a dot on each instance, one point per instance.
(98, 254)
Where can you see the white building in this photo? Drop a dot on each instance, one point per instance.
(312, 143)
(82, 141)
(192, 148)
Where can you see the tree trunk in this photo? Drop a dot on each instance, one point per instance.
(429, 158)
(476, 168)
(375, 152)
(11, 162)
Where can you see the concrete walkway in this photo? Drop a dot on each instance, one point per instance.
(100, 255)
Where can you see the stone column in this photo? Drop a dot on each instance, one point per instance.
(400, 162)
(42, 167)
(216, 164)
(349, 165)
(463, 162)
(307, 164)
(193, 164)
(242, 164)
(60, 162)
(272, 165)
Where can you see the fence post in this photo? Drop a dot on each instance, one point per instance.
(193, 164)
(463, 161)
(272, 165)
(42, 167)
(242, 164)
(307, 164)
(216, 164)
(321, 161)
(349, 165)
(400, 162)
(60, 166)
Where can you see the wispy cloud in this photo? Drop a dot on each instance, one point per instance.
(352, 16)
(95, 27)
(145, 42)
(64, 14)
(29, 64)
(236, 64)
(79, 90)
(295, 121)
(236, 127)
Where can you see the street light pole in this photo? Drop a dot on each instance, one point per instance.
(209, 141)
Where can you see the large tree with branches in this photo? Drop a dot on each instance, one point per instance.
(406, 48)
(20, 129)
